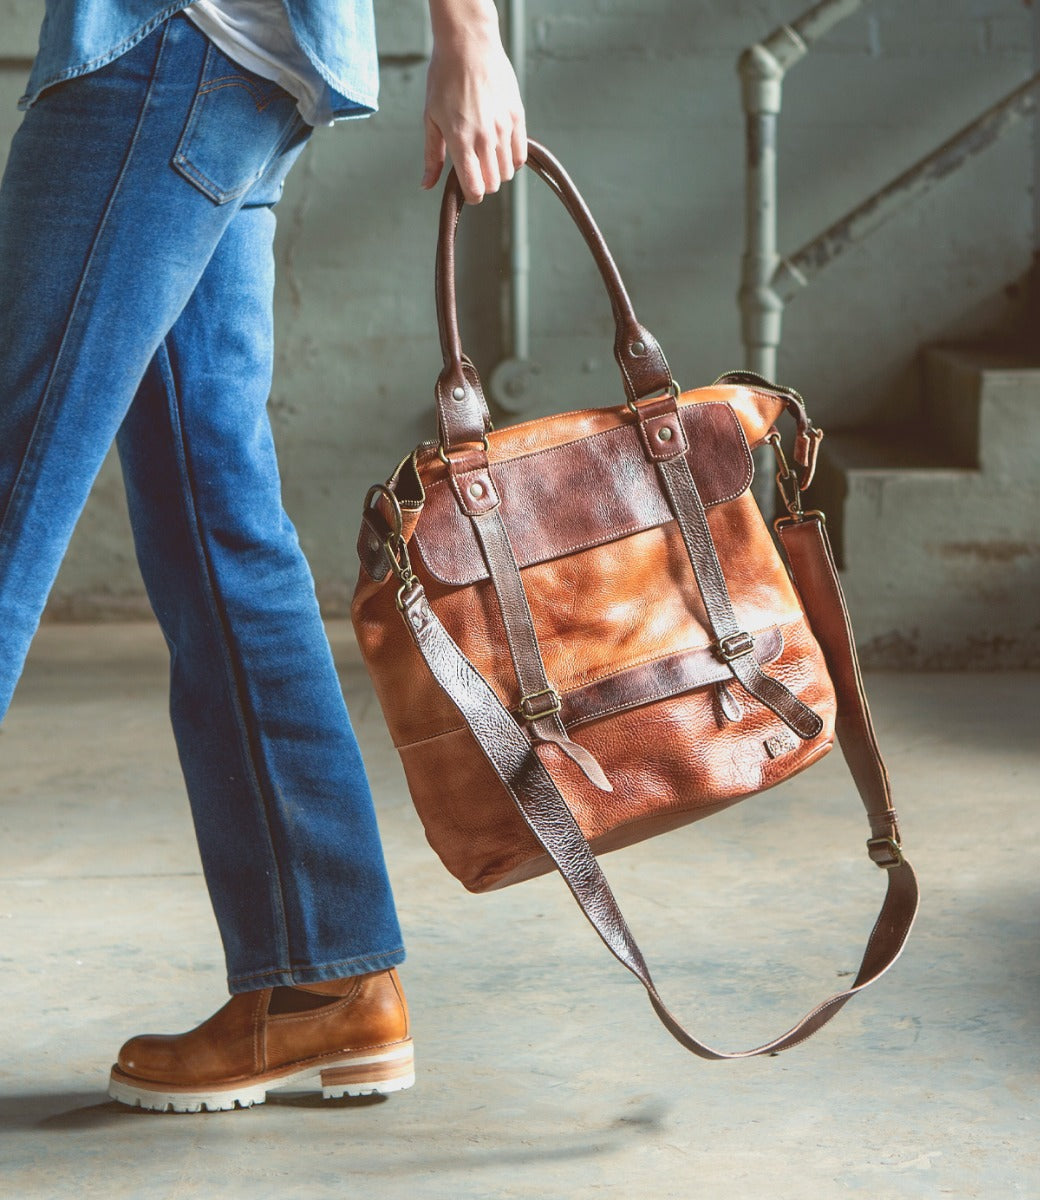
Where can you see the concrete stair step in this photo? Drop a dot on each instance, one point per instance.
(984, 407)
(934, 522)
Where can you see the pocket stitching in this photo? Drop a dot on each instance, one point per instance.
(224, 81)
(186, 167)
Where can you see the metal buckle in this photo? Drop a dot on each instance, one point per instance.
(885, 852)
(534, 714)
(810, 514)
(734, 645)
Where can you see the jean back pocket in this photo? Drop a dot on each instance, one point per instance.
(237, 124)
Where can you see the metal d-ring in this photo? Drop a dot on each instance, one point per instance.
(673, 387)
(380, 489)
(442, 454)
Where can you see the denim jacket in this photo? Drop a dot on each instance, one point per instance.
(338, 36)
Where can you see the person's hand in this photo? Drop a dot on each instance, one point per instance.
(473, 108)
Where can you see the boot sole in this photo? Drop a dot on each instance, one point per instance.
(366, 1073)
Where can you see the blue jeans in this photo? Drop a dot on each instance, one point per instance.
(136, 276)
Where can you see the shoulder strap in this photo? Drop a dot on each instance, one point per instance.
(544, 809)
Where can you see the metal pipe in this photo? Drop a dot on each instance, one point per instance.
(761, 308)
(1036, 137)
(821, 18)
(762, 68)
(796, 271)
(508, 382)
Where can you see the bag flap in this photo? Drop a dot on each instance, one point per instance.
(581, 494)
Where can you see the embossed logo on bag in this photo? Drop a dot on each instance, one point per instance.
(780, 743)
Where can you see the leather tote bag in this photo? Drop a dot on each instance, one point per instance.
(582, 633)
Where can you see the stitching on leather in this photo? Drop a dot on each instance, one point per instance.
(867, 725)
(403, 1003)
(259, 1043)
(616, 534)
(506, 462)
(664, 694)
(495, 528)
(643, 662)
(464, 580)
(749, 464)
(432, 737)
(628, 378)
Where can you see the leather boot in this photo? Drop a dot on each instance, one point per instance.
(348, 1037)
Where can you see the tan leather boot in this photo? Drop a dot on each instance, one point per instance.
(353, 1045)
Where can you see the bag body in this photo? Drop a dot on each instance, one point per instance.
(582, 634)
(621, 626)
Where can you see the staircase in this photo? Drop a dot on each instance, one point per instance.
(936, 524)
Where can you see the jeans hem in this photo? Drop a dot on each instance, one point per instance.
(287, 976)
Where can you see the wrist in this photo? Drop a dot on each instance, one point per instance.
(451, 19)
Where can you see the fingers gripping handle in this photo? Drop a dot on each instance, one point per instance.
(460, 402)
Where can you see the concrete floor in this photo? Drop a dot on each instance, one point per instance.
(542, 1071)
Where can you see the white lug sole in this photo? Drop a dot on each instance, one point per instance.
(390, 1070)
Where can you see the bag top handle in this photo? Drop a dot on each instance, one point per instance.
(460, 404)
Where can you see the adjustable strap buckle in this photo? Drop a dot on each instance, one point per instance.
(885, 852)
(734, 645)
(531, 710)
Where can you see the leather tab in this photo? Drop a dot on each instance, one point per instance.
(644, 368)
(728, 705)
(370, 546)
(806, 452)
(661, 430)
(415, 608)
(808, 437)
(578, 755)
(472, 483)
(461, 408)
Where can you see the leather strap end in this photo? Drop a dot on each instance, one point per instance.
(644, 368)
(582, 759)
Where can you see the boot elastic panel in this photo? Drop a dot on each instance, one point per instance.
(285, 1000)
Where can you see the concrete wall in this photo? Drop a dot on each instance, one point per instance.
(640, 99)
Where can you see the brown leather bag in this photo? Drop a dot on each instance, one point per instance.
(582, 634)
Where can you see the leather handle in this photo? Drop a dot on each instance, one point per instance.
(462, 414)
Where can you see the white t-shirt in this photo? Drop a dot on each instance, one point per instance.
(256, 34)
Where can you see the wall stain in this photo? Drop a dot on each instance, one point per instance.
(989, 551)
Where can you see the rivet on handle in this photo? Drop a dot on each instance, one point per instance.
(458, 393)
